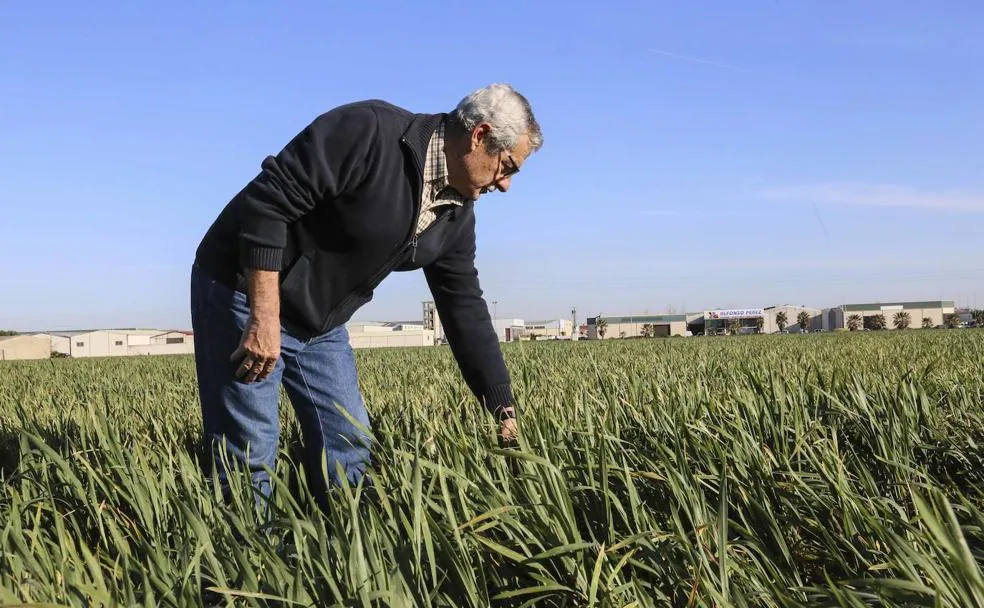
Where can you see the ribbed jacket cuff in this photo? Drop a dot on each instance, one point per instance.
(262, 258)
(496, 397)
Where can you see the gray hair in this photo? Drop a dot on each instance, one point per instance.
(503, 107)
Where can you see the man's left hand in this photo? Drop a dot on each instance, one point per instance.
(508, 431)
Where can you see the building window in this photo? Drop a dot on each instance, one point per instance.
(119, 343)
(80, 344)
(175, 341)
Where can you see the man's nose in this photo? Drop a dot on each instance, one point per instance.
(504, 183)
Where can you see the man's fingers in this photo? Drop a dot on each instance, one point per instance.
(237, 354)
(508, 431)
(267, 369)
(254, 371)
(245, 366)
(255, 368)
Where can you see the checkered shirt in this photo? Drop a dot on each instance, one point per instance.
(436, 191)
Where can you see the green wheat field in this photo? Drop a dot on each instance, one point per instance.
(819, 470)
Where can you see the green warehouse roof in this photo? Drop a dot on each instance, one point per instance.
(904, 305)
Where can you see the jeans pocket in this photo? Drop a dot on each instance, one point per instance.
(211, 299)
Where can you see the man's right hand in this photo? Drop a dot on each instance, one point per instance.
(259, 347)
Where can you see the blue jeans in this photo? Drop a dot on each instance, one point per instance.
(317, 374)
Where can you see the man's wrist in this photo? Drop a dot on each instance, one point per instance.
(496, 397)
(264, 295)
(505, 412)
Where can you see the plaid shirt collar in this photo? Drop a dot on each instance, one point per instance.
(437, 191)
(436, 164)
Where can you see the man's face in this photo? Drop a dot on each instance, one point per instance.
(472, 170)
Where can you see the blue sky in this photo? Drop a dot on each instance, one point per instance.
(697, 154)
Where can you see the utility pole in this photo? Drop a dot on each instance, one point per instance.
(495, 309)
(574, 332)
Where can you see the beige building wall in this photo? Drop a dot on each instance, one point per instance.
(391, 339)
(634, 330)
(171, 337)
(917, 311)
(59, 344)
(168, 343)
(141, 339)
(79, 345)
(559, 328)
(99, 344)
(509, 330)
(121, 342)
(24, 347)
(936, 315)
(161, 349)
(632, 327)
(792, 318)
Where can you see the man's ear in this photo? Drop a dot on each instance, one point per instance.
(478, 136)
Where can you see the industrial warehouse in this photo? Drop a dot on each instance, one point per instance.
(95, 343)
(787, 318)
(362, 334)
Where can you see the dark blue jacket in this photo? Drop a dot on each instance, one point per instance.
(334, 212)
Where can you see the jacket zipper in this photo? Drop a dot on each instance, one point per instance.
(413, 241)
(392, 261)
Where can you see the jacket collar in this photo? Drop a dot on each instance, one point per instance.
(417, 135)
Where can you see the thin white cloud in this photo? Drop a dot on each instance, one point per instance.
(715, 213)
(876, 195)
(692, 59)
(757, 72)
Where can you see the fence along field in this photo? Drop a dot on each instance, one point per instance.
(840, 470)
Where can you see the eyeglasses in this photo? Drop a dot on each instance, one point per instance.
(511, 169)
(507, 171)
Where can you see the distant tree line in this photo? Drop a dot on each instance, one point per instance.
(902, 320)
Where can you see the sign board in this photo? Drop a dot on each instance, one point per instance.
(734, 313)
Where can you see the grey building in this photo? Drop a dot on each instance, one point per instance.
(931, 313)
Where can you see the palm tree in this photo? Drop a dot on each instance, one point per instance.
(953, 321)
(877, 321)
(781, 320)
(602, 326)
(855, 322)
(927, 323)
(901, 320)
(759, 324)
(803, 319)
(733, 326)
(978, 316)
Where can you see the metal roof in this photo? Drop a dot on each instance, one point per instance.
(4, 338)
(68, 334)
(904, 305)
(639, 319)
(149, 331)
